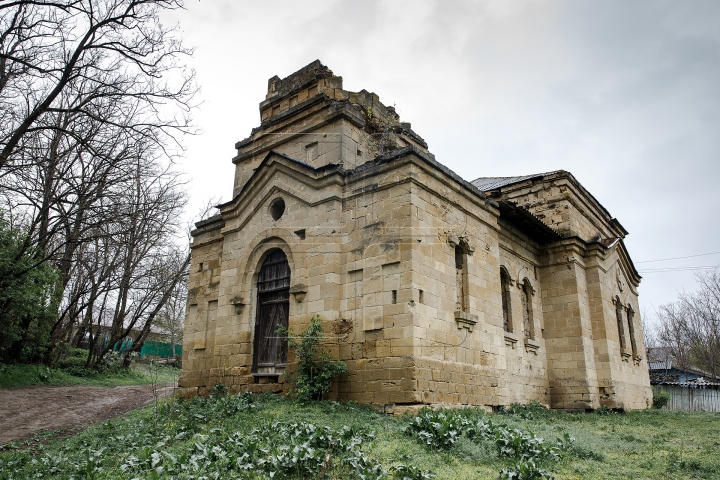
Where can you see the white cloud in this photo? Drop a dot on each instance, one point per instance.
(622, 94)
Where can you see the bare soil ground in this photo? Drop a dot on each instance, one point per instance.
(26, 411)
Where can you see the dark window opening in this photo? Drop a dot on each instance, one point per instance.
(621, 330)
(277, 208)
(527, 310)
(461, 279)
(631, 329)
(394, 296)
(505, 293)
(421, 297)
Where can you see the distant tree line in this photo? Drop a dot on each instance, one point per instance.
(94, 100)
(689, 328)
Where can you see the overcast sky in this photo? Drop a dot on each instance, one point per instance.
(623, 94)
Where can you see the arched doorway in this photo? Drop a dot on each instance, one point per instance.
(270, 352)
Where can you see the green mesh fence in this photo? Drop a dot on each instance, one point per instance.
(159, 349)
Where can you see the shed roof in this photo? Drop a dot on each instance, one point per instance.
(662, 365)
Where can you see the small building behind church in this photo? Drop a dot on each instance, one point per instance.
(433, 289)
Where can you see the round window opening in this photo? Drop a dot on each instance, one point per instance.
(277, 208)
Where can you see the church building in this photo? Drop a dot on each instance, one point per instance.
(433, 289)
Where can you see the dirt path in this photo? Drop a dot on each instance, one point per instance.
(26, 411)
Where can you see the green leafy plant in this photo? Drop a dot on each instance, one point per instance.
(529, 411)
(28, 300)
(526, 470)
(437, 429)
(604, 410)
(315, 369)
(523, 446)
(660, 398)
(443, 428)
(411, 472)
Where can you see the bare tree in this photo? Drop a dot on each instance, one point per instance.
(93, 52)
(172, 317)
(690, 327)
(93, 97)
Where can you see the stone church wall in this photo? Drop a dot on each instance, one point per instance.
(401, 259)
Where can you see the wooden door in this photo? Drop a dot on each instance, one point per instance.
(270, 352)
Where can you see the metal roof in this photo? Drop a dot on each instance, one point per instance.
(491, 183)
(691, 384)
(665, 365)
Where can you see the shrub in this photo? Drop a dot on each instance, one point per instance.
(28, 304)
(315, 368)
(660, 398)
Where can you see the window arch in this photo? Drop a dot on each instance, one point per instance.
(528, 326)
(506, 303)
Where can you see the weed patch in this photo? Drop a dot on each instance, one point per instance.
(443, 429)
(259, 437)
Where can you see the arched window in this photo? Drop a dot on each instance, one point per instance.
(619, 317)
(461, 279)
(526, 296)
(506, 305)
(273, 305)
(631, 329)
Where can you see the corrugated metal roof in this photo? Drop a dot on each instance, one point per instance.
(666, 365)
(692, 384)
(491, 183)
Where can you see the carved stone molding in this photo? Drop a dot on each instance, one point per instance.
(522, 284)
(531, 346)
(510, 340)
(465, 320)
(239, 303)
(462, 242)
(299, 291)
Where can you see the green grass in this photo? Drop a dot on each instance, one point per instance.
(247, 437)
(22, 375)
